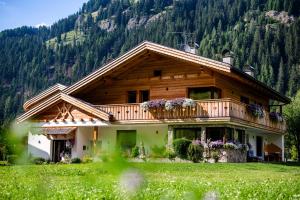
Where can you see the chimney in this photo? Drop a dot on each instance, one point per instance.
(248, 69)
(189, 49)
(227, 56)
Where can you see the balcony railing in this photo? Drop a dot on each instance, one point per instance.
(205, 109)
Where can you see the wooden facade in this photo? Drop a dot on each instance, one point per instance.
(164, 73)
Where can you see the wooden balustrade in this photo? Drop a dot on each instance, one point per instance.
(206, 109)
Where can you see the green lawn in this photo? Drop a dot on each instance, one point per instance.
(161, 181)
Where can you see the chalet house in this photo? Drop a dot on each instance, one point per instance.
(106, 108)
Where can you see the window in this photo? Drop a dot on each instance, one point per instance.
(144, 95)
(245, 100)
(215, 133)
(241, 136)
(131, 96)
(157, 73)
(188, 133)
(204, 93)
(126, 139)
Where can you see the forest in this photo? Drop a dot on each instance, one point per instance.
(32, 59)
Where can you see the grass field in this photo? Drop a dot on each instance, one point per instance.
(156, 180)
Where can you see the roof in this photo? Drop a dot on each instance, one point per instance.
(51, 90)
(58, 130)
(173, 53)
(251, 78)
(148, 46)
(63, 97)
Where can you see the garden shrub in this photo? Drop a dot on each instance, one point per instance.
(75, 160)
(38, 160)
(215, 155)
(294, 153)
(170, 154)
(181, 146)
(135, 152)
(87, 159)
(158, 152)
(195, 152)
(12, 159)
(4, 163)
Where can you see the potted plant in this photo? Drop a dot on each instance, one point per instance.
(256, 110)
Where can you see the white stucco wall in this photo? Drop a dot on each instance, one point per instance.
(150, 135)
(83, 137)
(267, 139)
(39, 146)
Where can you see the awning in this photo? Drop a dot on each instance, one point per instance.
(59, 133)
(272, 148)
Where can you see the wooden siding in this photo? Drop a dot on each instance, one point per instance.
(177, 76)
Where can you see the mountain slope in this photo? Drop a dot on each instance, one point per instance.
(34, 59)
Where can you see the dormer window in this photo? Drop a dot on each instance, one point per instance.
(156, 73)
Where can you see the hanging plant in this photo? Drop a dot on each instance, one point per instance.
(168, 105)
(153, 104)
(256, 110)
(275, 116)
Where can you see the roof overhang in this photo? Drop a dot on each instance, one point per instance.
(63, 97)
(276, 94)
(46, 93)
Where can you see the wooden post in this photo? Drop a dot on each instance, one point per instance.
(95, 137)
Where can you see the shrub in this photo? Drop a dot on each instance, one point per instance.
(75, 160)
(158, 152)
(12, 159)
(294, 153)
(170, 154)
(4, 163)
(135, 152)
(87, 159)
(215, 155)
(38, 160)
(195, 152)
(230, 145)
(181, 146)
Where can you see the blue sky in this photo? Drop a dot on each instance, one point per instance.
(16, 13)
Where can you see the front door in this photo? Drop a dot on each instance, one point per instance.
(126, 140)
(259, 146)
(58, 147)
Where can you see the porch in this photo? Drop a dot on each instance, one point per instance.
(99, 140)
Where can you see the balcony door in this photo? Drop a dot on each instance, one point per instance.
(126, 140)
(259, 146)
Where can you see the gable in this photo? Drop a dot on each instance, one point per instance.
(138, 54)
(64, 111)
(175, 76)
(50, 104)
(55, 89)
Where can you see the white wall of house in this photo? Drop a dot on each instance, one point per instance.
(82, 138)
(150, 135)
(39, 146)
(267, 139)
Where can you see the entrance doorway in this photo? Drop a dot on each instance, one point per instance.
(58, 147)
(259, 146)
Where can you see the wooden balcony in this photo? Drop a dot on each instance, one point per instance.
(206, 110)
